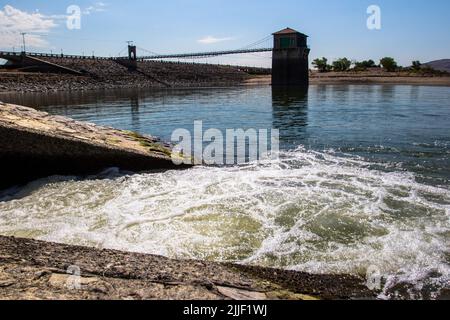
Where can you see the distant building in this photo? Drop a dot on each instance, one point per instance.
(290, 62)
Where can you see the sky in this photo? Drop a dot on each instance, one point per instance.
(410, 29)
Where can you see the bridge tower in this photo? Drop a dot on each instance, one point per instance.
(132, 53)
(131, 62)
(290, 62)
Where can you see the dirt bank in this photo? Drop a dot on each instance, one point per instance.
(32, 269)
(363, 78)
(401, 80)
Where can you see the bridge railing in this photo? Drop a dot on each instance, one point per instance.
(51, 55)
(200, 54)
(154, 57)
(5, 53)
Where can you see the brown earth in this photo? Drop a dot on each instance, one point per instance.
(378, 76)
(361, 78)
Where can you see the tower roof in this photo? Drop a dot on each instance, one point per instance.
(288, 31)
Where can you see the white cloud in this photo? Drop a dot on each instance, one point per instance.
(14, 21)
(96, 7)
(212, 40)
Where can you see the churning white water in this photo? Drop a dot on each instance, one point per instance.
(309, 211)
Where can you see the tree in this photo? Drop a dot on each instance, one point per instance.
(364, 65)
(389, 64)
(342, 64)
(322, 64)
(416, 65)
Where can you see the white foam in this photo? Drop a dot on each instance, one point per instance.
(311, 211)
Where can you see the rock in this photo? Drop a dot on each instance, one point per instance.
(110, 274)
(41, 273)
(238, 294)
(6, 283)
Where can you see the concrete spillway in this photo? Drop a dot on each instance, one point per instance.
(35, 144)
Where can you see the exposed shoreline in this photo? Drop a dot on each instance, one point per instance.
(336, 79)
(31, 269)
(75, 84)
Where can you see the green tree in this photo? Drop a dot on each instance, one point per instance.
(342, 64)
(364, 65)
(416, 65)
(389, 64)
(322, 64)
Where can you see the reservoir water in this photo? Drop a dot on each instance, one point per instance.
(362, 183)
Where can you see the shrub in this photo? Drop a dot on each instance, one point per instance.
(364, 65)
(342, 64)
(322, 65)
(416, 65)
(389, 64)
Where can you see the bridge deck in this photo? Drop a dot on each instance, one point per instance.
(203, 54)
(9, 55)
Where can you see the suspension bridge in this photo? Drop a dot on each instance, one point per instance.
(289, 56)
(256, 47)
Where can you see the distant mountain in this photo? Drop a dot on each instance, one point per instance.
(441, 65)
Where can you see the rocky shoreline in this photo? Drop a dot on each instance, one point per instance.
(23, 82)
(31, 270)
(69, 74)
(35, 82)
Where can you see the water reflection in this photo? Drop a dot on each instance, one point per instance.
(387, 93)
(290, 114)
(135, 114)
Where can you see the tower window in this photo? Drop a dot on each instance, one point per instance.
(286, 43)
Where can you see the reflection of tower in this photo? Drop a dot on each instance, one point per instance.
(290, 115)
(135, 119)
(290, 61)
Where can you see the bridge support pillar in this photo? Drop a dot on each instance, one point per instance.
(131, 62)
(290, 62)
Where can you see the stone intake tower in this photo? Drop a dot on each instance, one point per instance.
(290, 62)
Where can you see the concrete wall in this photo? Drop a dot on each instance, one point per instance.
(27, 155)
(290, 67)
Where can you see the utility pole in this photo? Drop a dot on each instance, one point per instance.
(23, 39)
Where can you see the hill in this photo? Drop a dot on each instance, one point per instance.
(441, 65)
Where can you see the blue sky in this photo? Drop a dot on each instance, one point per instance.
(411, 29)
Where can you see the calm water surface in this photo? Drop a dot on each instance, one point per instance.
(363, 182)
